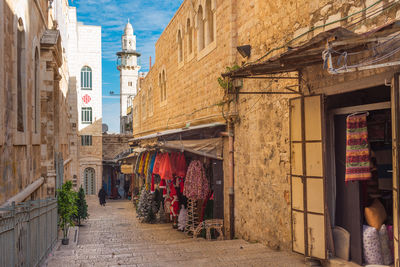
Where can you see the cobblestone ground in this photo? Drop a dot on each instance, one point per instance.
(114, 237)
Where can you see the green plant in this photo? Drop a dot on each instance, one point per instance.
(226, 84)
(82, 207)
(67, 209)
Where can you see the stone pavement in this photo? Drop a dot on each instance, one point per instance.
(113, 237)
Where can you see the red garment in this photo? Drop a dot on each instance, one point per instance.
(166, 168)
(157, 163)
(181, 166)
(173, 157)
(163, 185)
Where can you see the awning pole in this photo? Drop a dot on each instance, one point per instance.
(231, 181)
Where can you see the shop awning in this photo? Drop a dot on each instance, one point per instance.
(310, 53)
(127, 168)
(176, 131)
(211, 148)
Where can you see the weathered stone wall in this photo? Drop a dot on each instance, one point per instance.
(26, 156)
(262, 167)
(114, 144)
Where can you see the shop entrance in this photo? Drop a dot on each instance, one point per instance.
(361, 210)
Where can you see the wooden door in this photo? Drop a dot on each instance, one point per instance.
(395, 101)
(89, 180)
(307, 176)
(218, 187)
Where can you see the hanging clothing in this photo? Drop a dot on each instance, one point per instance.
(138, 162)
(157, 163)
(357, 149)
(166, 168)
(141, 164)
(196, 184)
(174, 208)
(150, 167)
(181, 166)
(145, 163)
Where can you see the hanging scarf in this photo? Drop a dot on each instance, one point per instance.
(357, 149)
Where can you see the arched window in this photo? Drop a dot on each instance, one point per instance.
(189, 36)
(89, 181)
(144, 105)
(36, 95)
(86, 78)
(209, 23)
(164, 80)
(180, 46)
(160, 84)
(200, 29)
(20, 75)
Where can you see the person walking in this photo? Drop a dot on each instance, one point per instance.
(102, 196)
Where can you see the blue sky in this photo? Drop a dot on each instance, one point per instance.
(148, 18)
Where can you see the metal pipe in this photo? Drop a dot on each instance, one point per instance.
(231, 181)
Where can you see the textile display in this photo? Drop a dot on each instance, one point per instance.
(372, 246)
(166, 167)
(157, 163)
(357, 149)
(138, 163)
(182, 218)
(141, 163)
(146, 164)
(181, 166)
(384, 240)
(150, 168)
(196, 184)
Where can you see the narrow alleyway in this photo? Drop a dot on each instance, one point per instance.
(114, 237)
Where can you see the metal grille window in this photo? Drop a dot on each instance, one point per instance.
(86, 140)
(87, 115)
(86, 78)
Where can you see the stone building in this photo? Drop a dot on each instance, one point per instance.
(37, 127)
(129, 74)
(284, 141)
(84, 57)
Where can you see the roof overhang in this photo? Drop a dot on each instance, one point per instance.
(178, 131)
(310, 53)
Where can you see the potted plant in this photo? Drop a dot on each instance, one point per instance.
(82, 207)
(66, 200)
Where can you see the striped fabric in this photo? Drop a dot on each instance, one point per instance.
(357, 149)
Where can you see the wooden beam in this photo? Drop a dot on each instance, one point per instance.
(361, 108)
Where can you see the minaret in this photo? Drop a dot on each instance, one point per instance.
(129, 71)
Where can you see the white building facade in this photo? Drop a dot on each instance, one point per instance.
(129, 73)
(84, 58)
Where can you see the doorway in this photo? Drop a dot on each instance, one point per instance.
(89, 181)
(348, 201)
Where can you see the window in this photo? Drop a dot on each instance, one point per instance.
(86, 78)
(86, 140)
(150, 101)
(180, 48)
(129, 83)
(200, 30)
(20, 73)
(87, 115)
(144, 105)
(163, 86)
(209, 23)
(190, 37)
(160, 84)
(36, 96)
